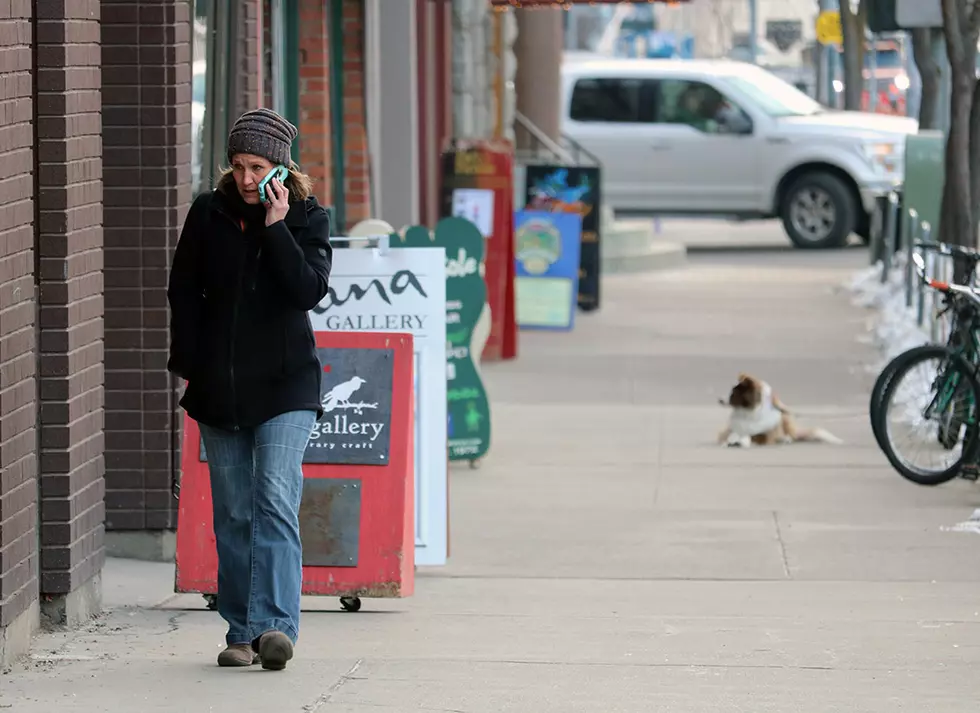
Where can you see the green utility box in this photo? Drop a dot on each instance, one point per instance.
(925, 175)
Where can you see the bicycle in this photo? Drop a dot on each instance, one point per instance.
(955, 391)
(971, 260)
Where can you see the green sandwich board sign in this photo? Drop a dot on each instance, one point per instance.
(468, 407)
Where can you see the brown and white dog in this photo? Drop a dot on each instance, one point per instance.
(759, 417)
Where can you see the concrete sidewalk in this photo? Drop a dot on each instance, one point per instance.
(609, 556)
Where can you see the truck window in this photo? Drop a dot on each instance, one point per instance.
(608, 99)
(695, 104)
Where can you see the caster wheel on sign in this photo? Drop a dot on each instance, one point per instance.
(350, 603)
(212, 600)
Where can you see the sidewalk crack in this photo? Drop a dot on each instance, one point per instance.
(782, 545)
(325, 697)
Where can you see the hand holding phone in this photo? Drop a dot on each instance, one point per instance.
(280, 172)
(275, 196)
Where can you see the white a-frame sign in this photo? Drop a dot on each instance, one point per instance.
(404, 290)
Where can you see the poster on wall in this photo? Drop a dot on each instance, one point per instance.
(546, 247)
(476, 206)
(468, 406)
(488, 165)
(404, 290)
(572, 189)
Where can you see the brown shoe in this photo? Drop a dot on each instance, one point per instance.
(275, 649)
(238, 655)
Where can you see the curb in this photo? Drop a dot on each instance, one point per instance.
(630, 246)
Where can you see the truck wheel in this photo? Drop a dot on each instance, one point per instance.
(819, 211)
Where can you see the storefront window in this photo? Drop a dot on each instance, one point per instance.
(199, 68)
(211, 61)
(215, 59)
(273, 55)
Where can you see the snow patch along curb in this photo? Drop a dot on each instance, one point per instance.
(970, 525)
(892, 327)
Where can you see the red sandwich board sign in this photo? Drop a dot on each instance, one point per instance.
(357, 515)
(486, 166)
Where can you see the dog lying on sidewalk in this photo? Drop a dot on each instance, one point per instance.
(759, 417)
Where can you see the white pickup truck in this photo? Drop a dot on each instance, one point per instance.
(726, 138)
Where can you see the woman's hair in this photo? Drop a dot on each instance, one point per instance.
(300, 185)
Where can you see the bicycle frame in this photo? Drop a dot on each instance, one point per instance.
(963, 337)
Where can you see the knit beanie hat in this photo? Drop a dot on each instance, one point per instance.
(262, 132)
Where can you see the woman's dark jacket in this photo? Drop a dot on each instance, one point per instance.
(239, 295)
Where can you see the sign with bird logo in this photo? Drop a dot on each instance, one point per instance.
(355, 395)
(358, 510)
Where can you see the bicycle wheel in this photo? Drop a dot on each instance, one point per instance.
(949, 388)
(949, 426)
(878, 390)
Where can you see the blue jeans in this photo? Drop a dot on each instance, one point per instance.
(256, 490)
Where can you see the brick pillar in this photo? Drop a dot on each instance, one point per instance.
(69, 240)
(18, 412)
(146, 132)
(314, 96)
(357, 160)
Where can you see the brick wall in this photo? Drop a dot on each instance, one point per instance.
(314, 96)
(146, 133)
(357, 190)
(69, 239)
(18, 464)
(249, 77)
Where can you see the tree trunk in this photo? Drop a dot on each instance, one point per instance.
(930, 74)
(853, 25)
(957, 219)
(961, 22)
(974, 168)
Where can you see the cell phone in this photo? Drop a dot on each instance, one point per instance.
(279, 172)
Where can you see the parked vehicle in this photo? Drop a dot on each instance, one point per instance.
(691, 137)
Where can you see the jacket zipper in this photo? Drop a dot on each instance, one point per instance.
(255, 271)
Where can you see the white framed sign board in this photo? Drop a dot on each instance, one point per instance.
(404, 290)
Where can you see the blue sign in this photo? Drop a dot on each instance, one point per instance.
(654, 44)
(547, 250)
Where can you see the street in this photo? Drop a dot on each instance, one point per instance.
(608, 556)
(714, 235)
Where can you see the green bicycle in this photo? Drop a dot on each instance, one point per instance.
(946, 414)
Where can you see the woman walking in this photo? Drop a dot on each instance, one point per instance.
(245, 273)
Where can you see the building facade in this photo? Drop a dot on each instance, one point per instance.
(721, 27)
(115, 116)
